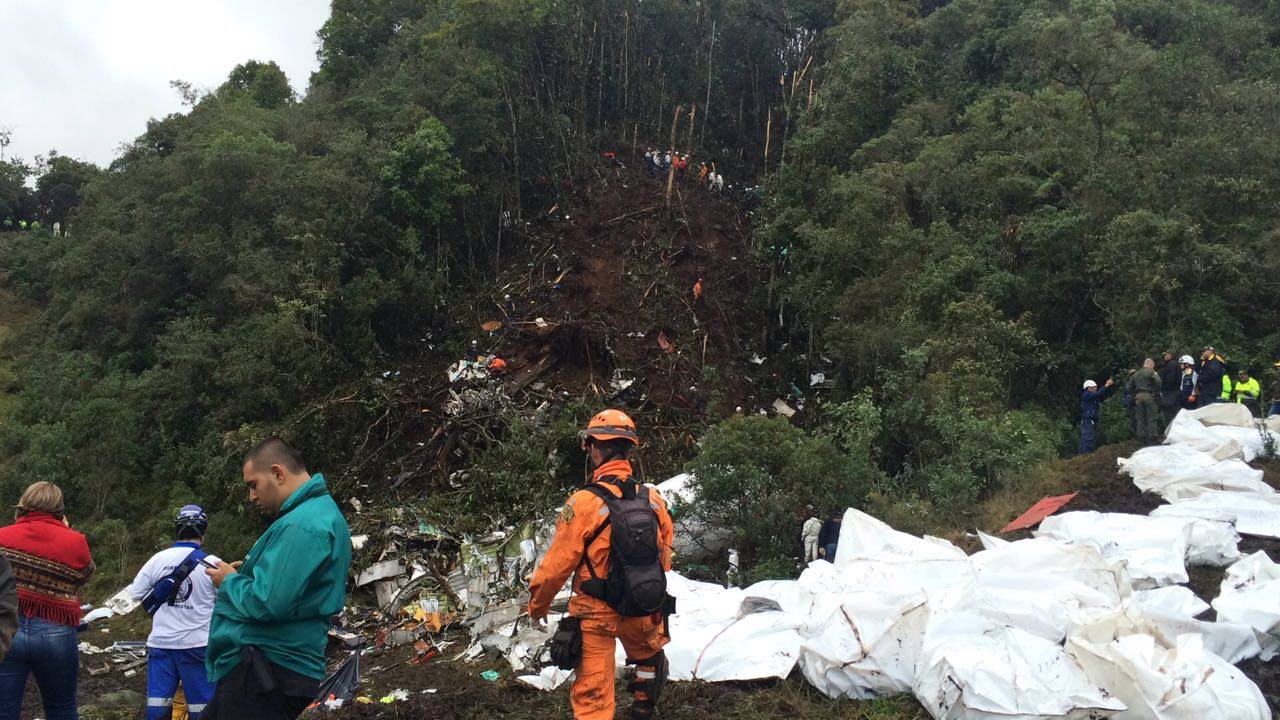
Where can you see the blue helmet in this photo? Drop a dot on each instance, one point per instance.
(191, 517)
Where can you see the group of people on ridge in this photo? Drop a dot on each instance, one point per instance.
(9, 224)
(1154, 395)
(660, 163)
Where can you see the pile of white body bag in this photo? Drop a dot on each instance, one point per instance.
(1085, 620)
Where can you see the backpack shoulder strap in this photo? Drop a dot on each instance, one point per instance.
(165, 590)
(606, 497)
(185, 568)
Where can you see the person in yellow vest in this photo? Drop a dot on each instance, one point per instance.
(1226, 388)
(1247, 391)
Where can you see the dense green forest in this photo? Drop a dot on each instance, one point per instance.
(969, 207)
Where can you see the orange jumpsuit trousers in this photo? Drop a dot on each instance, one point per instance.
(593, 685)
(602, 627)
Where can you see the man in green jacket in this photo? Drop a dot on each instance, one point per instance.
(271, 619)
(1144, 388)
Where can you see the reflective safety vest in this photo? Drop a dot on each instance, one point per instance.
(1226, 387)
(1248, 390)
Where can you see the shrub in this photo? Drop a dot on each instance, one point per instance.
(755, 475)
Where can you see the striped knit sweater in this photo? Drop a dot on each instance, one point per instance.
(51, 563)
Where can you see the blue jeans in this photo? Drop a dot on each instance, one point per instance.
(1275, 409)
(831, 553)
(48, 651)
(164, 669)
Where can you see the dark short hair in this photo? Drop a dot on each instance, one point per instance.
(275, 451)
(615, 449)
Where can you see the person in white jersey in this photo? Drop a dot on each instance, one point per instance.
(173, 586)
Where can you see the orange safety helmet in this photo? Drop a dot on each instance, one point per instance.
(611, 425)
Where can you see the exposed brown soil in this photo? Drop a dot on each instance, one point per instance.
(614, 282)
(600, 281)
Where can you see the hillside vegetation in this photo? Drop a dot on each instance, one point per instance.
(969, 207)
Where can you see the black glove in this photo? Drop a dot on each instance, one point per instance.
(566, 644)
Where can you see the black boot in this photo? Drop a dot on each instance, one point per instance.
(648, 689)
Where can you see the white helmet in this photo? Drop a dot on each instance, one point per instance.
(1090, 384)
(1186, 360)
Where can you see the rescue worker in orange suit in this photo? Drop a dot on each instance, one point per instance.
(609, 439)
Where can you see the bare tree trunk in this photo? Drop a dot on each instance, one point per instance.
(706, 104)
(768, 130)
(742, 99)
(662, 98)
(671, 171)
(693, 119)
(600, 92)
(626, 70)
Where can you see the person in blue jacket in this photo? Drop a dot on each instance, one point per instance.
(1090, 400)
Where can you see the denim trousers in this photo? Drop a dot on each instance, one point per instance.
(47, 650)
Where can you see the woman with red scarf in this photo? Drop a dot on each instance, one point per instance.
(50, 563)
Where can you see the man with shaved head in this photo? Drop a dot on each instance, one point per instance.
(271, 619)
(1145, 389)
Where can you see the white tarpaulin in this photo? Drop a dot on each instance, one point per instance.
(1251, 596)
(1035, 584)
(753, 647)
(1179, 472)
(873, 555)
(1155, 682)
(713, 640)
(1165, 621)
(1222, 441)
(1175, 599)
(1251, 513)
(1155, 548)
(1229, 414)
(1155, 552)
(1159, 460)
(971, 669)
(867, 647)
(703, 610)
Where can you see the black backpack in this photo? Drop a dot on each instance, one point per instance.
(636, 585)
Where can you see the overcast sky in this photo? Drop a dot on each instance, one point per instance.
(84, 76)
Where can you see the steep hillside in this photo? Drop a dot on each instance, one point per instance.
(596, 305)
